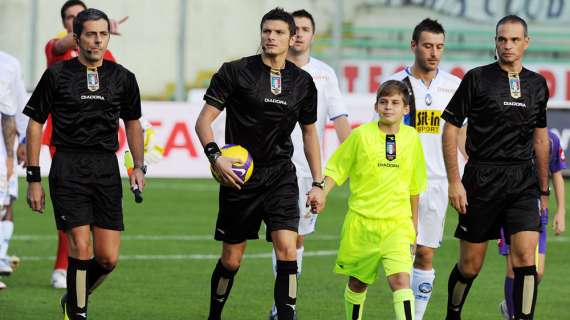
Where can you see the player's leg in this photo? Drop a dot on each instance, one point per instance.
(59, 275)
(403, 295)
(5, 233)
(79, 257)
(398, 236)
(106, 244)
(223, 277)
(523, 253)
(471, 257)
(541, 264)
(354, 298)
(285, 293)
(506, 306)
(432, 209)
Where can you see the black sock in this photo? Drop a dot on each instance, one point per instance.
(525, 284)
(457, 289)
(95, 275)
(286, 289)
(77, 288)
(222, 281)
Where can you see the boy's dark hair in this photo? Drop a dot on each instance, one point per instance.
(90, 14)
(279, 14)
(512, 19)
(304, 14)
(392, 87)
(71, 3)
(427, 25)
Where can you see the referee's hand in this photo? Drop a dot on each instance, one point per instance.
(223, 167)
(36, 197)
(316, 200)
(137, 179)
(458, 197)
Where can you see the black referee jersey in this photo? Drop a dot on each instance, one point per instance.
(263, 107)
(502, 110)
(85, 114)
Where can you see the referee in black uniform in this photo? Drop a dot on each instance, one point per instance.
(264, 97)
(86, 96)
(505, 105)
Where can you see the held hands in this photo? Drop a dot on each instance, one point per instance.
(458, 197)
(223, 167)
(316, 200)
(36, 197)
(136, 179)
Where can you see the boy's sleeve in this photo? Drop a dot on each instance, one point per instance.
(419, 173)
(339, 165)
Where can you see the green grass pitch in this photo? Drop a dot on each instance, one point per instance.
(167, 256)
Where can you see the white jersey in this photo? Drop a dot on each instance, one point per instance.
(329, 107)
(429, 105)
(12, 100)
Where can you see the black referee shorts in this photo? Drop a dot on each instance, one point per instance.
(86, 189)
(499, 194)
(271, 195)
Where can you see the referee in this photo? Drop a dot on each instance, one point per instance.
(505, 105)
(264, 97)
(85, 96)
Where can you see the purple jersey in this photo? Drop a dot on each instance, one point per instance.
(557, 160)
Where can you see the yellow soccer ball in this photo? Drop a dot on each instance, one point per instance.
(243, 168)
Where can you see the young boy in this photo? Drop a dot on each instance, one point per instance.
(385, 163)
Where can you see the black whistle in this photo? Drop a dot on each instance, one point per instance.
(138, 194)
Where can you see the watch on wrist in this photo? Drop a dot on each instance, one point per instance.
(212, 157)
(320, 185)
(143, 168)
(546, 192)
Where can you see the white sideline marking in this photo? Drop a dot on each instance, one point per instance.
(321, 253)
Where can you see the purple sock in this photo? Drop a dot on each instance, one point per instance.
(509, 283)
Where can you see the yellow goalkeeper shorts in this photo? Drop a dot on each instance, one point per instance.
(365, 243)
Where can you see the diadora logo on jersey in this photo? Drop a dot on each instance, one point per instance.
(388, 165)
(427, 121)
(271, 100)
(92, 97)
(514, 104)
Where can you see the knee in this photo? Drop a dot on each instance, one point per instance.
(231, 262)
(424, 258)
(107, 262)
(470, 269)
(80, 249)
(286, 253)
(523, 258)
(356, 285)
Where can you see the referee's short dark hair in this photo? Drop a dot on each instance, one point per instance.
(512, 18)
(71, 3)
(304, 14)
(90, 14)
(392, 87)
(280, 14)
(427, 25)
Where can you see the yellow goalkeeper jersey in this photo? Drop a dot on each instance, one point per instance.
(384, 170)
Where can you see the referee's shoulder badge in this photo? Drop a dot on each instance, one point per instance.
(275, 78)
(390, 147)
(515, 85)
(92, 79)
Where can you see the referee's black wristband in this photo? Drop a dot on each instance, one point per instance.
(33, 174)
(212, 151)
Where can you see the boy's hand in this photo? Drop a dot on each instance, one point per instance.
(316, 199)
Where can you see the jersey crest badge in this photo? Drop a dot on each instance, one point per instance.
(428, 99)
(390, 147)
(515, 85)
(275, 77)
(92, 79)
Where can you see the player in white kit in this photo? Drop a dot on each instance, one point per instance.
(12, 101)
(432, 89)
(329, 108)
